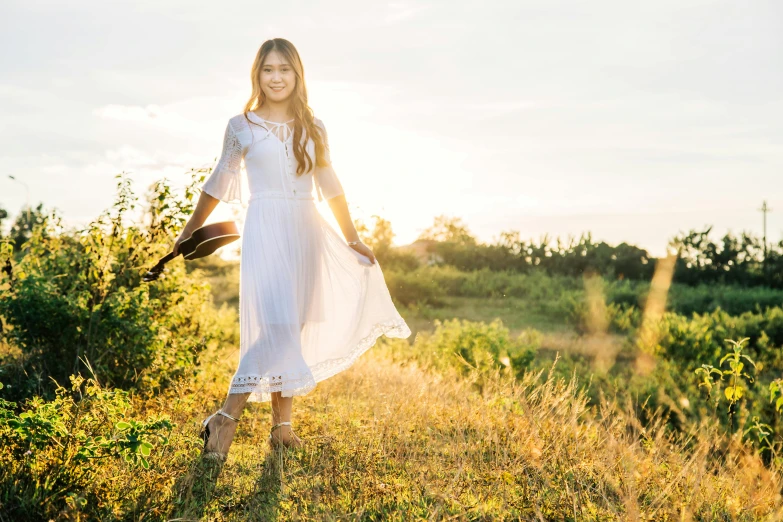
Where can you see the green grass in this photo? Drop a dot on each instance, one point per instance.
(516, 313)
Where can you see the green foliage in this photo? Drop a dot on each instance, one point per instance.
(400, 261)
(739, 392)
(450, 230)
(736, 374)
(698, 338)
(573, 257)
(410, 288)
(617, 317)
(58, 449)
(478, 349)
(732, 299)
(380, 242)
(22, 228)
(76, 296)
(3, 216)
(776, 394)
(707, 373)
(733, 260)
(551, 296)
(730, 260)
(735, 390)
(563, 297)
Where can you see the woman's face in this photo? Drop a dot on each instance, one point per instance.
(277, 78)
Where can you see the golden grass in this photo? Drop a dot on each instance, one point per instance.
(391, 440)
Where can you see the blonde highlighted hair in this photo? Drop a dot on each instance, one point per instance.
(304, 121)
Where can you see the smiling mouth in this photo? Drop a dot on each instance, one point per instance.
(277, 88)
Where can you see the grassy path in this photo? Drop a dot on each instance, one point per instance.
(385, 440)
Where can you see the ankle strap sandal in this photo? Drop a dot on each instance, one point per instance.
(275, 443)
(206, 432)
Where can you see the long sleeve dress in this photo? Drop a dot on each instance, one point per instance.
(309, 304)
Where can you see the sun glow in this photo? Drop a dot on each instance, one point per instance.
(386, 168)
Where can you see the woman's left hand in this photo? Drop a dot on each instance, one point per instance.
(364, 250)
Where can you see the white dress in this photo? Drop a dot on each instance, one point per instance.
(309, 304)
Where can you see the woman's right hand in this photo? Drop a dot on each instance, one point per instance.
(182, 237)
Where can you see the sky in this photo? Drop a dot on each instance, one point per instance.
(634, 121)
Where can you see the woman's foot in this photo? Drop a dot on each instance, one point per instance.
(221, 434)
(284, 435)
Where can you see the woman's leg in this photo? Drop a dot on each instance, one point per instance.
(222, 428)
(281, 412)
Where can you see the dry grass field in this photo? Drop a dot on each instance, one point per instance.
(390, 439)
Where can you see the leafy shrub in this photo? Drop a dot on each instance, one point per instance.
(699, 338)
(78, 295)
(54, 453)
(413, 287)
(477, 348)
(733, 299)
(392, 259)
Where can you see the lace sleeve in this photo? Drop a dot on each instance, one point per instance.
(326, 180)
(225, 181)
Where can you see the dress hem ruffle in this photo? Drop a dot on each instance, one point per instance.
(262, 387)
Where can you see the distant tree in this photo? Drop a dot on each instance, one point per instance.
(731, 260)
(510, 241)
(448, 229)
(3, 215)
(632, 262)
(379, 239)
(22, 228)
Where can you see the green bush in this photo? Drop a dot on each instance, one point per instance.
(61, 455)
(477, 348)
(410, 288)
(699, 338)
(733, 299)
(392, 259)
(76, 296)
(687, 345)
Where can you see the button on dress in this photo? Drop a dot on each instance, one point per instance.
(309, 304)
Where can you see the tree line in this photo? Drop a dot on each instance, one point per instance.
(701, 259)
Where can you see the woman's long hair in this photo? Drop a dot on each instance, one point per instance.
(303, 114)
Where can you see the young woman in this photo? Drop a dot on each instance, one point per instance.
(310, 302)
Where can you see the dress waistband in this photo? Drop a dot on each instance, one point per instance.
(278, 194)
